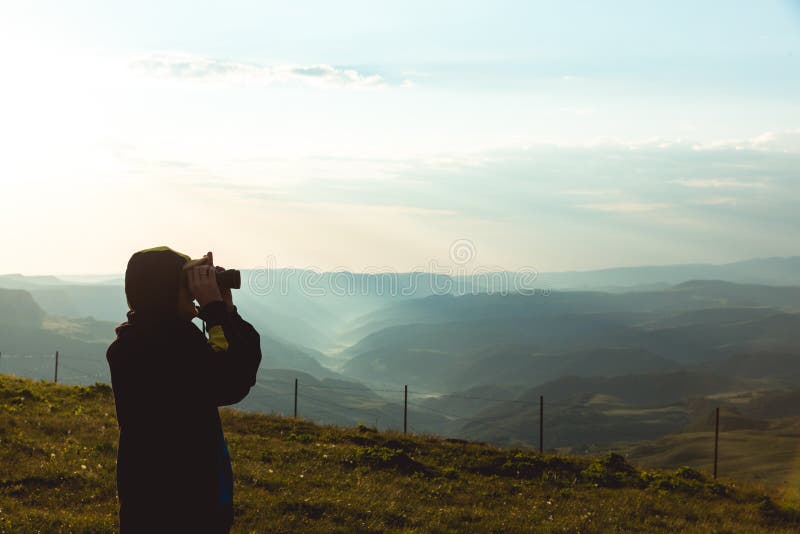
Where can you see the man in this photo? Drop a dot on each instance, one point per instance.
(173, 468)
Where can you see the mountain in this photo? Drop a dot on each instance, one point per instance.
(327, 312)
(442, 342)
(466, 353)
(631, 307)
(29, 338)
(18, 309)
(584, 412)
(649, 390)
(765, 271)
(332, 401)
(469, 360)
(506, 365)
(68, 299)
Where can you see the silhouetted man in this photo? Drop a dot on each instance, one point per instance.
(173, 467)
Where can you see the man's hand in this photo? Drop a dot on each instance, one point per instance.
(203, 283)
(226, 293)
(227, 296)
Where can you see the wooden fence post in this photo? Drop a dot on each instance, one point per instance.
(541, 424)
(716, 443)
(405, 410)
(295, 398)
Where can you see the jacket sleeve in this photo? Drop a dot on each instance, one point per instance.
(229, 361)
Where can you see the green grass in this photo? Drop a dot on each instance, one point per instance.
(770, 456)
(58, 447)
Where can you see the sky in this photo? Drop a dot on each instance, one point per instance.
(375, 135)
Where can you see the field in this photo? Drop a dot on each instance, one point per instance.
(770, 455)
(58, 447)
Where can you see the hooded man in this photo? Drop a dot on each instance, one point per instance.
(173, 467)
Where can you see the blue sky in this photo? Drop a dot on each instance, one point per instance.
(554, 135)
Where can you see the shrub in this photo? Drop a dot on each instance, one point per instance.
(386, 458)
(300, 438)
(688, 473)
(612, 471)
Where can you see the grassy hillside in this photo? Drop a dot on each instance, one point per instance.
(762, 450)
(58, 444)
(769, 455)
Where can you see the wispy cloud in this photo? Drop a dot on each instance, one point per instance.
(717, 201)
(720, 183)
(585, 192)
(784, 141)
(624, 207)
(198, 68)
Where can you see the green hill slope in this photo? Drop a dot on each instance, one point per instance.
(58, 445)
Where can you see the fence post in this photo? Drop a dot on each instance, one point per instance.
(716, 443)
(295, 398)
(541, 424)
(55, 376)
(405, 410)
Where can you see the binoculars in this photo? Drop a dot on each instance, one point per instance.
(229, 278)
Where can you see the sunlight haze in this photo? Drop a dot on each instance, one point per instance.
(557, 136)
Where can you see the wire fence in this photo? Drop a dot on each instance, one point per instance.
(343, 404)
(322, 397)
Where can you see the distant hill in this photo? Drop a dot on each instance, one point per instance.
(584, 412)
(781, 367)
(471, 340)
(627, 308)
(764, 452)
(29, 338)
(17, 308)
(20, 281)
(507, 365)
(324, 304)
(768, 271)
(649, 390)
(622, 365)
(785, 298)
(332, 401)
(69, 299)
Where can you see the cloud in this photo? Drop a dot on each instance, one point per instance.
(197, 68)
(574, 207)
(716, 183)
(585, 192)
(785, 141)
(624, 207)
(717, 201)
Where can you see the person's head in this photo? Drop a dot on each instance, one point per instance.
(156, 287)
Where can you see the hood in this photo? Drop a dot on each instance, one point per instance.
(152, 282)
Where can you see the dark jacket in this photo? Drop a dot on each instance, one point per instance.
(173, 468)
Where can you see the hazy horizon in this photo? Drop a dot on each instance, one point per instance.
(377, 270)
